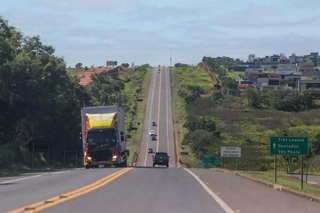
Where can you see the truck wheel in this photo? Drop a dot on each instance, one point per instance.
(96, 166)
(87, 167)
(167, 165)
(154, 165)
(124, 164)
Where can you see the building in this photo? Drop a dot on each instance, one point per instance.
(274, 58)
(315, 58)
(284, 74)
(306, 65)
(252, 58)
(309, 84)
(286, 67)
(253, 76)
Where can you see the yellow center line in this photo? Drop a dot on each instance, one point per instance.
(70, 195)
(159, 101)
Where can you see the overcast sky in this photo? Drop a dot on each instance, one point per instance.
(144, 31)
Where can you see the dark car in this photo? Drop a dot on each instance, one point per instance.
(154, 124)
(153, 137)
(150, 150)
(161, 158)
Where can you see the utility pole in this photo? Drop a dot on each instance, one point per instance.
(171, 57)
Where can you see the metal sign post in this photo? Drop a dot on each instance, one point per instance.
(301, 172)
(32, 155)
(275, 168)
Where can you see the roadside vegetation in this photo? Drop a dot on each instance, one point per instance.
(245, 119)
(41, 101)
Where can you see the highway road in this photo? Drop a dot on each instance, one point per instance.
(146, 189)
(159, 110)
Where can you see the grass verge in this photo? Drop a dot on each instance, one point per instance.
(136, 135)
(283, 179)
(181, 77)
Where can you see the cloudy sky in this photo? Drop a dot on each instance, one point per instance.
(144, 31)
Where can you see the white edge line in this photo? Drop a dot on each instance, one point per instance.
(154, 82)
(167, 110)
(223, 205)
(16, 180)
(55, 173)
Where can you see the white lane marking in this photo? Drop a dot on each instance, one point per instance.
(223, 205)
(149, 124)
(16, 180)
(167, 112)
(55, 173)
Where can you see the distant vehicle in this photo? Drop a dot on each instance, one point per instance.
(159, 65)
(151, 132)
(150, 150)
(153, 137)
(161, 158)
(154, 124)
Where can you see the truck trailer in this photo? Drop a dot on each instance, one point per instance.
(103, 136)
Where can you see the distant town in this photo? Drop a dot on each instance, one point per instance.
(279, 72)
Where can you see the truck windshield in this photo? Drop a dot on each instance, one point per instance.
(107, 139)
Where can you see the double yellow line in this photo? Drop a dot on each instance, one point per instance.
(70, 195)
(159, 101)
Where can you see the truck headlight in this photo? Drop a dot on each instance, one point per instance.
(89, 159)
(114, 158)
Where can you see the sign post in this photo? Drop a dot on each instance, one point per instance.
(213, 160)
(231, 152)
(289, 146)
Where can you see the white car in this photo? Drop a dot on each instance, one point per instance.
(151, 132)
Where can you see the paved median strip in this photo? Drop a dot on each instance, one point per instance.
(70, 195)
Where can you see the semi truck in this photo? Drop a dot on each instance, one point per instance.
(103, 136)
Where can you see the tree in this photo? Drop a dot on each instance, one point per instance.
(78, 65)
(274, 67)
(229, 83)
(125, 65)
(251, 97)
(191, 93)
(200, 140)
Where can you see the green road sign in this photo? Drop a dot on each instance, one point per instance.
(211, 160)
(184, 153)
(289, 145)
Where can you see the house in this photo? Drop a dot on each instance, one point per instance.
(274, 58)
(306, 65)
(295, 59)
(286, 67)
(253, 76)
(283, 74)
(254, 69)
(315, 58)
(252, 58)
(309, 84)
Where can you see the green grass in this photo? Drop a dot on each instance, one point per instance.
(270, 71)
(136, 135)
(182, 77)
(284, 180)
(235, 75)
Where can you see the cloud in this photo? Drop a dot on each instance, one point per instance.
(152, 14)
(309, 4)
(40, 23)
(88, 4)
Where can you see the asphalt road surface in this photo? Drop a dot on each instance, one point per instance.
(146, 190)
(159, 110)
